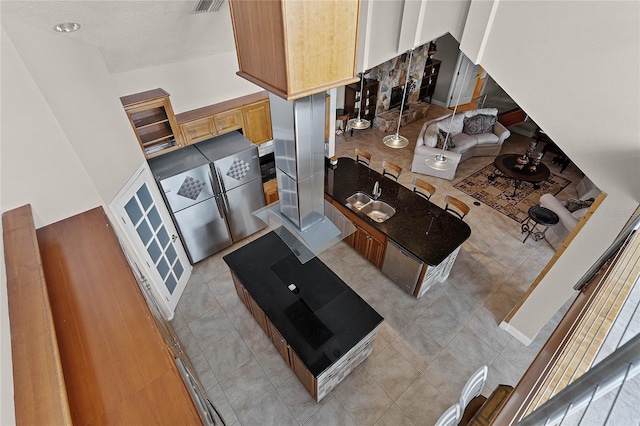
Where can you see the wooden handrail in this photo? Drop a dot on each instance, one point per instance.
(40, 394)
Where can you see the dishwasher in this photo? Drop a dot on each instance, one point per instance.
(401, 266)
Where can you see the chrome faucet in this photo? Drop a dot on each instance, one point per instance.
(376, 191)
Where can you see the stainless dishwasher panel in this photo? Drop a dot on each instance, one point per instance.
(402, 267)
(203, 229)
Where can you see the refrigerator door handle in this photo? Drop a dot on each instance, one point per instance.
(216, 197)
(223, 191)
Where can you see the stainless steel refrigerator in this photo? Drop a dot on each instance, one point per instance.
(186, 181)
(212, 194)
(237, 181)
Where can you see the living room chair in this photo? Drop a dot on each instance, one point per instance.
(450, 417)
(391, 169)
(422, 188)
(471, 391)
(363, 157)
(456, 207)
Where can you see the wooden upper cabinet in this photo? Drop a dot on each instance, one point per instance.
(228, 121)
(296, 48)
(198, 130)
(257, 119)
(153, 121)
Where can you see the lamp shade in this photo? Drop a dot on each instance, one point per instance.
(439, 162)
(395, 141)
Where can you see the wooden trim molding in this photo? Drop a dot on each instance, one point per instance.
(40, 394)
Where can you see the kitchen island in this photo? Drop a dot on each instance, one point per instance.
(321, 327)
(419, 227)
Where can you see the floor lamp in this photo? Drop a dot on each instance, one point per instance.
(441, 161)
(397, 141)
(359, 123)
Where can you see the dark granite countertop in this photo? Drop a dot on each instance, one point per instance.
(414, 215)
(323, 320)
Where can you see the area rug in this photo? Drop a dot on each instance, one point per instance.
(498, 194)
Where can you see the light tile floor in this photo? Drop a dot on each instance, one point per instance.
(426, 348)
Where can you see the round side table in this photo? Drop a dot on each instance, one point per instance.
(538, 216)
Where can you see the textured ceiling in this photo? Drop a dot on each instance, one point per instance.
(133, 34)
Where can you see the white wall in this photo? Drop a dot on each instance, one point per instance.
(386, 19)
(397, 26)
(574, 68)
(190, 84)
(444, 16)
(448, 51)
(38, 164)
(73, 80)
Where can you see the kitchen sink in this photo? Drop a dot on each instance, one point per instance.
(375, 209)
(378, 210)
(358, 200)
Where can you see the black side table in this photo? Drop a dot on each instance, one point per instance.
(538, 215)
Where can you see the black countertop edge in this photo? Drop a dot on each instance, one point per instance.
(322, 319)
(420, 226)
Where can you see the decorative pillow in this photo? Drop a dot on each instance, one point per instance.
(442, 136)
(573, 204)
(479, 124)
(577, 215)
(431, 136)
(454, 126)
(487, 111)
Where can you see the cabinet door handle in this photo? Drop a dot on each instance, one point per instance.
(174, 237)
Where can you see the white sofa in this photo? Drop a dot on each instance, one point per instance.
(568, 220)
(466, 145)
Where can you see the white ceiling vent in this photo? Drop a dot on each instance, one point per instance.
(208, 6)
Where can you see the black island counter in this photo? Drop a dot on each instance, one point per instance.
(419, 228)
(320, 326)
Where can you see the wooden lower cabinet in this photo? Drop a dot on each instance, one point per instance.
(319, 386)
(270, 191)
(367, 241)
(241, 291)
(303, 374)
(370, 244)
(279, 342)
(257, 313)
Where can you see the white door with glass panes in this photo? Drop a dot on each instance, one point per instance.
(149, 229)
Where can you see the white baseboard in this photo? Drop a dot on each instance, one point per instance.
(515, 333)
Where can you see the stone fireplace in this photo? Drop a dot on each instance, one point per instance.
(396, 97)
(391, 76)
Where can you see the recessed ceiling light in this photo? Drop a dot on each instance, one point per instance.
(67, 27)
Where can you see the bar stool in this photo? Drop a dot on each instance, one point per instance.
(391, 169)
(342, 115)
(422, 188)
(456, 206)
(363, 157)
